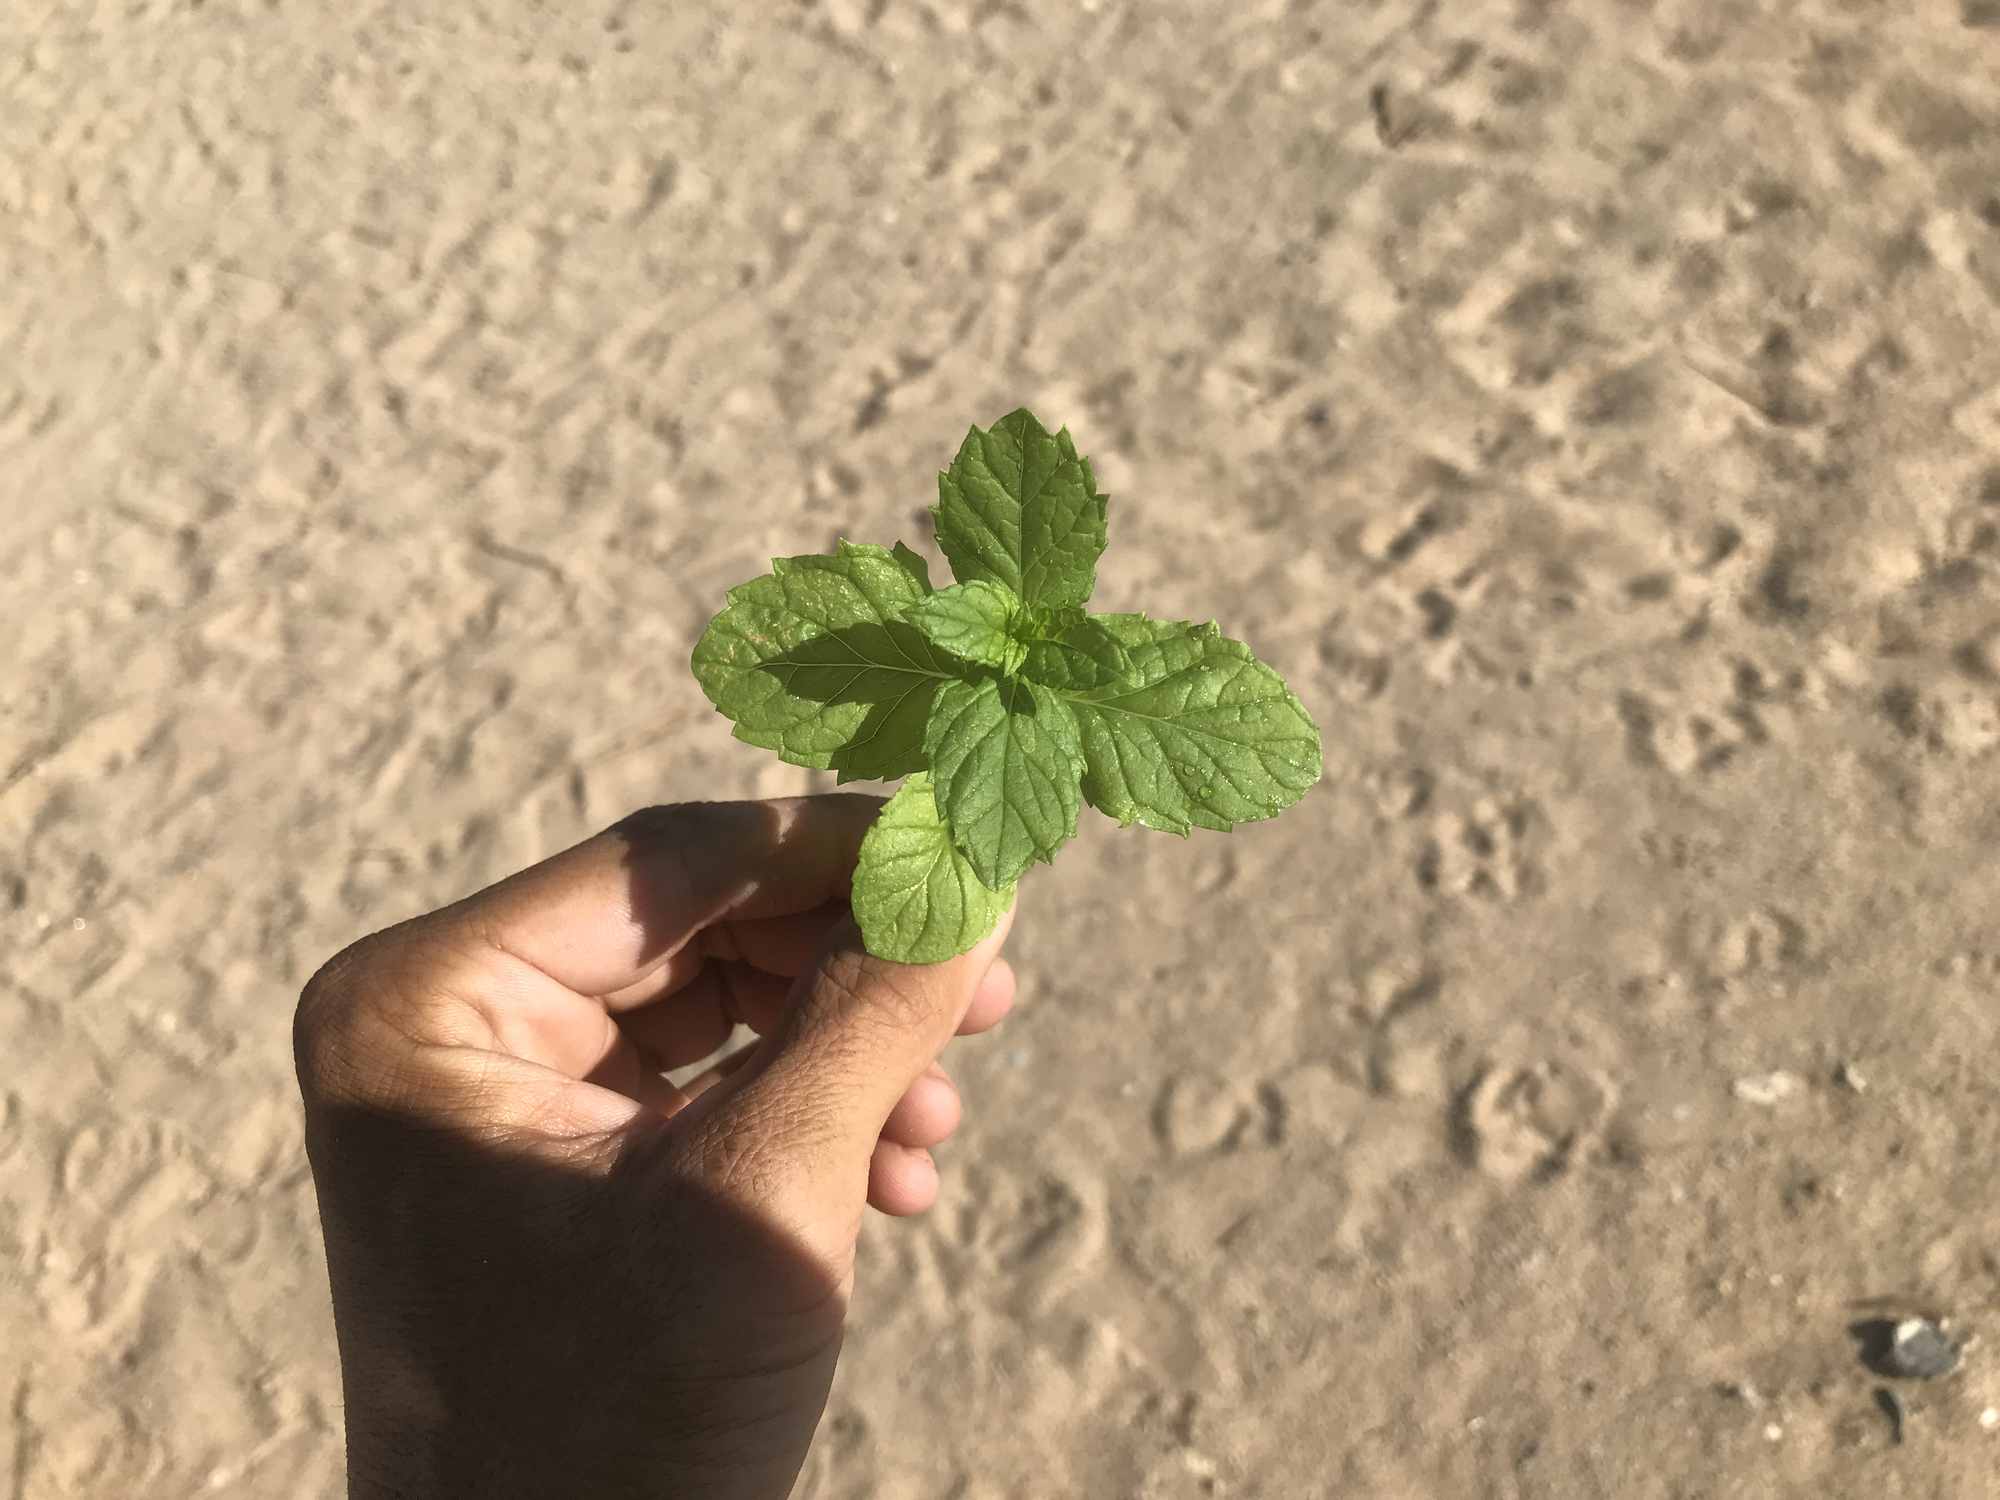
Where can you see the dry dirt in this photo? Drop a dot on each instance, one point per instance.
(1593, 409)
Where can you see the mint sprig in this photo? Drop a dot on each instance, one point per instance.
(1004, 704)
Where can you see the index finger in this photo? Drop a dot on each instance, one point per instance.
(604, 914)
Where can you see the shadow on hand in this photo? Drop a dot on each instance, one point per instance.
(520, 1313)
(514, 1322)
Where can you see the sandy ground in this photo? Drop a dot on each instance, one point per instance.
(1593, 409)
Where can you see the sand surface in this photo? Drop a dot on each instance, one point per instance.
(1593, 409)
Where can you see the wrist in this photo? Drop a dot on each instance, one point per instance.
(605, 1449)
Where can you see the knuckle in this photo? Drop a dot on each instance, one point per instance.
(354, 1027)
(839, 986)
(671, 839)
(853, 990)
(323, 1023)
(665, 822)
(748, 1154)
(674, 830)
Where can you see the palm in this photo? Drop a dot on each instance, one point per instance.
(601, 988)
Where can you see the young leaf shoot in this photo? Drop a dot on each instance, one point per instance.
(998, 701)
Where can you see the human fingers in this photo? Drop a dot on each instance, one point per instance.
(722, 1068)
(513, 970)
(601, 917)
(784, 945)
(991, 1001)
(811, 1111)
(902, 1180)
(928, 1112)
(860, 1030)
(697, 1018)
(692, 1023)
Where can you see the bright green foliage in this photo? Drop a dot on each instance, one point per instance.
(916, 898)
(815, 661)
(1204, 734)
(1007, 757)
(913, 563)
(1076, 655)
(1018, 508)
(975, 622)
(1003, 702)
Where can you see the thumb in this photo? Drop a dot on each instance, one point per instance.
(857, 1033)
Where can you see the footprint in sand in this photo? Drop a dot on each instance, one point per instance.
(1489, 851)
(1522, 1121)
(1202, 1111)
(1040, 1230)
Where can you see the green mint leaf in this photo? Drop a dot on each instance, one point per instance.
(814, 661)
(1205, 735)
(917, 899)
(889, 743)
(1018, 507)
(1077, 655)
(914, 564)
(1006, 757)
(1037, 620)
(974, 622)
(891, 670)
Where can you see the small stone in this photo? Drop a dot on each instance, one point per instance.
(1849, 1077)
(1767, 1090)
(1990, 1418)
(1921, 1350)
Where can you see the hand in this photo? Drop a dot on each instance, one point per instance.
(554, 1274)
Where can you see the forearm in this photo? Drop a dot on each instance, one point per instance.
(406, 1441)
